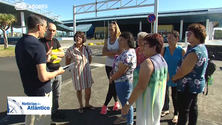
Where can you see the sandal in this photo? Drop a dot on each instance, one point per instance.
(175, 119)
(80, 110)
(164, 113)
(120, 120)
(90, 107)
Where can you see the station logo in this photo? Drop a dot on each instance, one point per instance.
(29, 105)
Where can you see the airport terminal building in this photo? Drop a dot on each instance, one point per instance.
(168, 21)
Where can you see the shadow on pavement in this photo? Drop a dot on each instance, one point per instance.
(89, 117)
(11, 119)
(169, 121)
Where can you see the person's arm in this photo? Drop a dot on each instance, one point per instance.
(38, 54)
(183, 52)
(106, 52)
(119, 51)
(145, 73)
(89, 54)
(68, 60)
(60, 53)
(90, 59)
(186, 67)
(122, 69)
(44, 75)
(168, 76)
(162, 51)
(68, 57)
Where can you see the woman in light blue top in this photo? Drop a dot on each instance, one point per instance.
(172, 54)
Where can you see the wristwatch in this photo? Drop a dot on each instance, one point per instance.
(128, 103)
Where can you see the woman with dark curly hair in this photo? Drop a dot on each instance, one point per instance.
(81, 73)
(190, 75)
(124, 66)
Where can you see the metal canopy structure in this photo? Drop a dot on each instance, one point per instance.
(200, 15)
(109, 5)
(83, 27)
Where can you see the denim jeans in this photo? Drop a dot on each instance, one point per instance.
(124, 90)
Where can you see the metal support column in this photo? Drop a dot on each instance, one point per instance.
(181, 29)
(207, 29)
(156, 8)
(74, 20)
(22, 22)
(140, 27)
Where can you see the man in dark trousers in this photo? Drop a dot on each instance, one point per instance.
(31, 59)
(53, 45)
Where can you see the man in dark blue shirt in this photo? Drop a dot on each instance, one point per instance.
(31, 59)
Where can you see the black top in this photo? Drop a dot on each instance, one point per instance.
(29, 52)
(48, 44)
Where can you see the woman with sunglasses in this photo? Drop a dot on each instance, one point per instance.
(190, 75)
(111, 49)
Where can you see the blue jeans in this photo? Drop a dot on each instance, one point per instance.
(124, 90)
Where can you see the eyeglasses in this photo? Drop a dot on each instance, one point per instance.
(145, 43)
(189, 33)
(170, 37)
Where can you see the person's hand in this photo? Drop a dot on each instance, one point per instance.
(49, 52)
(48, 55)
(110, 80)
(49, 58)
(60, 71)
(173, 80)
(125, 110)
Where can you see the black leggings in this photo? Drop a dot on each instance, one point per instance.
(174, 99)
(188, 109)
(112, 88)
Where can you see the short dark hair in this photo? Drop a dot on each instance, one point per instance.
(155, 40)
(129, 36)
(82, 36)
(199, 31)
(175, 33)
(33, 20)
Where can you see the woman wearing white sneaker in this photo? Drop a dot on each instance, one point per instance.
(110, 49)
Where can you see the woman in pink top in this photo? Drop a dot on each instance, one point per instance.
(139, 51)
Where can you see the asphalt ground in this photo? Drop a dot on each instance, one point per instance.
(210, 110)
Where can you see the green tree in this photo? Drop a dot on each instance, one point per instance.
(6, 21)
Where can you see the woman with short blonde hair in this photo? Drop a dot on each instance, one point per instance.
(139, 51)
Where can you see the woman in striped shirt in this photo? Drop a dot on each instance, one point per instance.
(81, 56)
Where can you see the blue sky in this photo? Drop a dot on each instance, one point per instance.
(65, 7)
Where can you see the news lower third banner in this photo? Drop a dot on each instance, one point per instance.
(28, 105)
